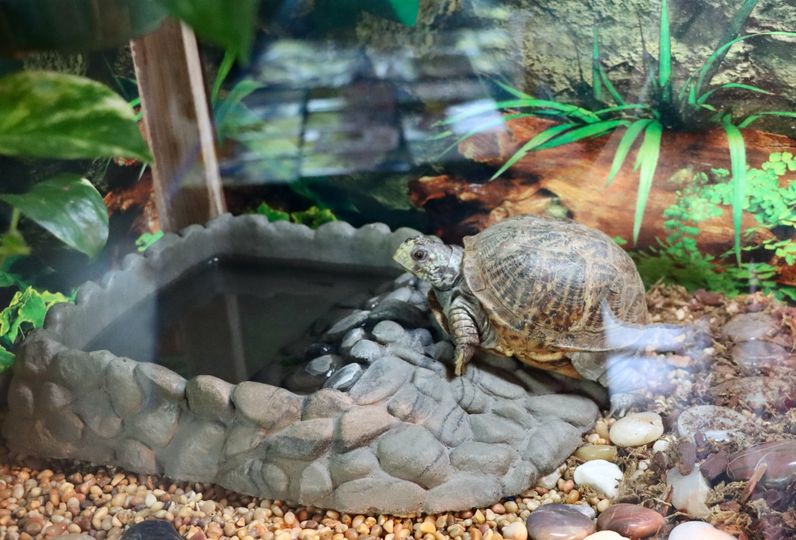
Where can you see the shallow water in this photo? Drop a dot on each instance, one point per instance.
(235, 318)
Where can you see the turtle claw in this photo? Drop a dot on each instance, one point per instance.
(620, 403)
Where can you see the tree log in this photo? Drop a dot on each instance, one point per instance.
(570, 179)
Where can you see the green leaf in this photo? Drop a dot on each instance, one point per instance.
(624, 146)
(756, 116)
(648, 159)
(223, 72)
(737, 149)
(718, 53)
(145, 241)
(617, 97)
(27, 307)
(665, 55)
(313, 217)
(70, 208)
(620, 108)
(596, 79)
(55, 115)
(12, 243)
(704, 97)
(582, 132)
(489, 124)
(264, 209)
(228, 23)
(536, 141)
(6, 359)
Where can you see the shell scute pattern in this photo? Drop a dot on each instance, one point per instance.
(547, 280)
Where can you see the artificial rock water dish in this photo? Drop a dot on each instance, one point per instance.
(394, 433)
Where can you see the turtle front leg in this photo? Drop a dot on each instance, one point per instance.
(464, 332)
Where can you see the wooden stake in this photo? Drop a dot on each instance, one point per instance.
(178, 126)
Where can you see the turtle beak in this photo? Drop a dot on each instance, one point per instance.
(403, 255)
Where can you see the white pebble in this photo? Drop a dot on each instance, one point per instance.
(606, 535)
(150, 500)
(661, 445)
(602, 475)
(549, 481)
(698, 529)
(689, 492)
(637, 429)
(515, 530)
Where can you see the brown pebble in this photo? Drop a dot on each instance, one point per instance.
(558, 521)
(779, 458)
(630, 520)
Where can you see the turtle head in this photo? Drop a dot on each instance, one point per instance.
(428, 258)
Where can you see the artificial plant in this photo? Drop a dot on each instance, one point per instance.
(663, 108)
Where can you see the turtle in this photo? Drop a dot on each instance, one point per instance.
(553, 293)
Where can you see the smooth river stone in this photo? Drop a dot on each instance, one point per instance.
(601, 475)
(637, 429)
(631, 520)
(691, 530)
(558, 522)
(689, 492)
(589, 452)
(606, 535)
(779, 456)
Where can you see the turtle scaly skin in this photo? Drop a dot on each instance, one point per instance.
(553, 293)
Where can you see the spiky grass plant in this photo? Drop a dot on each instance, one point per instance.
(665, 110)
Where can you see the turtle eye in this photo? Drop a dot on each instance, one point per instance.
(420, 254)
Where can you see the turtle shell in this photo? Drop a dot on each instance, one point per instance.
(546, 279)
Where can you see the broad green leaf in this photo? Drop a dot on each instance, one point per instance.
(536, 141)
(665, 55)
(756, 116)
(55, 115)
(402, 11)
(624, 146)
(6, 359)
(737, 148)
(228, 23)
(705, 69)
(70, 208)
(704, 97)
(648, 159)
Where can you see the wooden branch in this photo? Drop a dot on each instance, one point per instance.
(178, 127)
(572, 177)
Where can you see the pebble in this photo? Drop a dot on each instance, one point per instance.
(323, 364)
(345, 377)
(601, 475)
(719, 424)
(689, 492)
(631, 520)
(691, 530)
(558, 522)
(607, 535)
(749, 326)
(661, 445)
(515, 530)
(636, 429)
(779, 457)
(589, 452)
(753, 356)
(549, 481)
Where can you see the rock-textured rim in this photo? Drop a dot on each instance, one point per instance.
(406, 438)
(140, 276)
